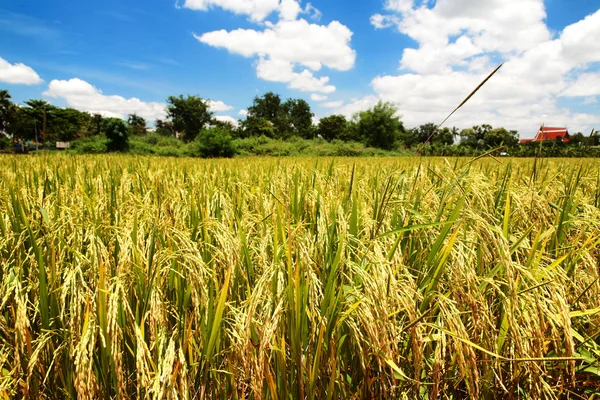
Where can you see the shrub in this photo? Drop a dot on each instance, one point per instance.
(214, 142)
(90, 145)
(5, 142)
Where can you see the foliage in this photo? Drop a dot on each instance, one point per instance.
(485, 137)
(137, 277)
(215, 142)
(299, 119)
(189, 115)
(286, 119)
(90, 145)
(137, 124)
(164, 128)
(333, 127)
(5, 142)
(379, 126)
(117, 134)
(256, 126)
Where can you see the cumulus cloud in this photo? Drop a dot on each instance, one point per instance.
(257, 10)
(283, 71)
(296, 41)
(587, 84)
(218, 106)
(18, 73)
(384, 21)
(356, 105)
(81, 95)
(243, 113)
(460, 41)
(318, 97)
(291, 50)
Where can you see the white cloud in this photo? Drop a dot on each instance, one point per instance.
(218, 106)
(333, 104)
(18, 73)
(384, 21)
(585, 85)
(318, 97)
(357, 105)
(460, 41)
(83, 96)
(226, 118)
(283, 71)
(296, 41)
(289, 10)
(288, 44)
(257, 10)
(590, 100)
(243, 113)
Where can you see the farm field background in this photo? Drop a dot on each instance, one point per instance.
(135, 277)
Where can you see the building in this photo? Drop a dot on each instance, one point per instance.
(548, 133)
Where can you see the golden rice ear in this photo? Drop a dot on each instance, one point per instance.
(461, 104)
(401, 277)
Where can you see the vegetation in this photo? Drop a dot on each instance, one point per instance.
(272, 127)
(117, 134)
(133, 277)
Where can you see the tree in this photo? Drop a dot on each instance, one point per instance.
(164, 128)
(379, 127)
(227, 125)
(33, 117)
(117, 133)
(333, 127)
(10, 115)
(299, 118)
(500, 137)
(253, 127)
(5, 111)
(189, 115)
(137, 125)
(269, 108)
(66, 124)
(97, 121)
(444, 136)
(474, 137)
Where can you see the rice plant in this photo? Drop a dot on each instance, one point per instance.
(131, 277)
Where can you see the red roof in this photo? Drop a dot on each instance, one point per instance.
(549, 133)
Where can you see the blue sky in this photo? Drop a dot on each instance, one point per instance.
(425, 56)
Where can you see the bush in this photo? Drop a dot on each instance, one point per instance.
(5, 143)
(117, 133)
(214, 142)
(140, 147)
(90, 145)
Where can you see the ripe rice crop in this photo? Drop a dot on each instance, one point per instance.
(127, 277)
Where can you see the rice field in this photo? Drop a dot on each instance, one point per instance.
(127, 277)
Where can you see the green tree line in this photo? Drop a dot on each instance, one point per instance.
(190, 121)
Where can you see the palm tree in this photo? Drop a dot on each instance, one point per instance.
(137, 124)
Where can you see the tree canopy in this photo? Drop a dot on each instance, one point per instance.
(189, 115)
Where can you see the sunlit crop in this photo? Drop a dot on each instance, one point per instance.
(126, 277)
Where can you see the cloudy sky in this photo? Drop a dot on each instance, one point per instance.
(118, 57)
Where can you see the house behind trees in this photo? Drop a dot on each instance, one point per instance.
(547, 133)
